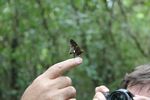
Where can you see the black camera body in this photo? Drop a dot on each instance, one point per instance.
(120, 94)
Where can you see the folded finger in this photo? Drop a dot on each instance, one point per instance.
(99, 96)
(68, 93)
(62, 82)
(102, 88)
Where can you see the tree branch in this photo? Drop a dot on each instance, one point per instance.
(42, 12)
(137, 43)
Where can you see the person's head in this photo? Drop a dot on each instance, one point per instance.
(138, 81)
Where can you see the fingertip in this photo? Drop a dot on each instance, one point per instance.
(78, 60)
(101, 88)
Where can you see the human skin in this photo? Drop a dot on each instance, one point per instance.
(139, 93)
(51, 85)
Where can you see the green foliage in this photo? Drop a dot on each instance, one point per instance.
(34, 34)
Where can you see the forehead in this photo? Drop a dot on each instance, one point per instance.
(143, 90)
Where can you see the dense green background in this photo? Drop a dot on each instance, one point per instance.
(34, 34)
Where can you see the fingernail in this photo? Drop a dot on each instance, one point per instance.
(78, 60)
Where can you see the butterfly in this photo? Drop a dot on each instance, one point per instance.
(75, 49)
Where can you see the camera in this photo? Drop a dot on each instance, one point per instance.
(120, 94)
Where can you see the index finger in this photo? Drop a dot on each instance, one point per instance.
(59, 68)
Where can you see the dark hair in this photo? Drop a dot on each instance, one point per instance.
(140, 76)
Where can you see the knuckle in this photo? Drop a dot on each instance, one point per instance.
(68, 80)
(96, 89)
(52, 95)
(49, 97)
(38, 79)
(97, 94)
(102, 86)
(44, 86)
(40, 83)
(57, 66)
(72, 89)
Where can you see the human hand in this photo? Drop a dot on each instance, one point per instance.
(51, 85)
(137, 97)
(99, 92)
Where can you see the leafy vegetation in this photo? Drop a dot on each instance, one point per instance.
(34, 34)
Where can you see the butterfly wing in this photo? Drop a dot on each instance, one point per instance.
(74, 48)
